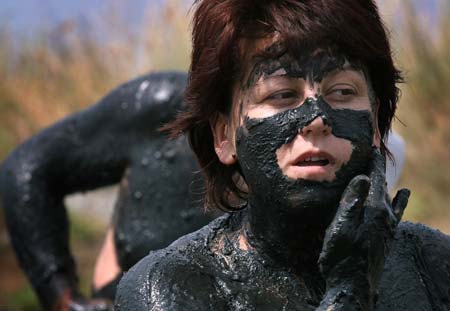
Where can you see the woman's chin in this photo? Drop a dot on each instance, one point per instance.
(314, 197)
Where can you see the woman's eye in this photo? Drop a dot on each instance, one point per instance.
(281, 95)
(345, 92)
(340, 94)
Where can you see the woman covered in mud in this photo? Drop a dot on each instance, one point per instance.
(289, 102)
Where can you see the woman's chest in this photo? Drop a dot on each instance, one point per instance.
(252, 285)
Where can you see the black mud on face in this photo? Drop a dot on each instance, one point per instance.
(258, 140)
(312, 66)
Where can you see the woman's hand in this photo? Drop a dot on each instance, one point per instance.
(357, 241)
(62, 294)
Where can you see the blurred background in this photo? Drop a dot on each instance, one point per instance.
(57, 57)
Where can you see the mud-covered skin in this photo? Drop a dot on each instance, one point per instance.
(207, 270)
(416, 275)
(91, 149)
(276, 268)
(358, 240)
(286, 215)
(159, 201)
(266, 257)
(309, 64)
(258, 140)
(192, 275)
(304, 208)
(109, 290)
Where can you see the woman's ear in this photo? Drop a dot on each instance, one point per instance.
(223, 140)
(376, 133)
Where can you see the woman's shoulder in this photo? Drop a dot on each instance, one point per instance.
(417, 271)
(187, 250)
(427, 247)
(179, 274)
(428, 239)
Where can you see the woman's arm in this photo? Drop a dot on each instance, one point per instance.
(87, 150)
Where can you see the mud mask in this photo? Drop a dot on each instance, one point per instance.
(312, 65)
(257, 141)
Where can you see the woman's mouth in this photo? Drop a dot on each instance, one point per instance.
(312, 165)
(313, 161)
(314, 158)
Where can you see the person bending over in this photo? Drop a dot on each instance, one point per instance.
(288, 105)
(115, 140)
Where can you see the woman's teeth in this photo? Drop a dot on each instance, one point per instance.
(320, 161)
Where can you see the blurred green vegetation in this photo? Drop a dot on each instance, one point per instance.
(63, 69)
(423, 52)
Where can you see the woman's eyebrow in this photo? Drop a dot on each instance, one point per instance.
(264, 67)
(350, 71)
(260, 59)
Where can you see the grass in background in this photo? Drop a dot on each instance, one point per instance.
(64, 69)
(425, 111)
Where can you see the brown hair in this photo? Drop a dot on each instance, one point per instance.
(219, 28)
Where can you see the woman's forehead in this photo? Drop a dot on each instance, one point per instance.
(268, 56)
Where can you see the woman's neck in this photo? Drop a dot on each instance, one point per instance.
(291, 238)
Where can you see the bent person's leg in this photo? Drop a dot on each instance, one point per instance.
(107, 272)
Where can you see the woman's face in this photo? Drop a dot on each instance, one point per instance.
(299, 122)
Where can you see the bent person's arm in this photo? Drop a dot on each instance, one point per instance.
(85, 151)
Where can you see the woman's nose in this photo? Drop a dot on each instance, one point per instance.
(316, 127)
